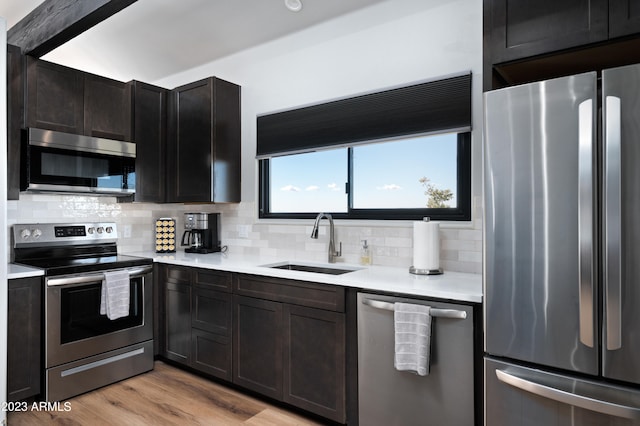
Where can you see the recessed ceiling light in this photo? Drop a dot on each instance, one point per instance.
(293, 5)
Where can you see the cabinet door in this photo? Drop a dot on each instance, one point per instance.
(211, 311)
(24, 340)
(150, 136)
(15, 118)
(257, 345)
(226, 138)
(189, 173)
(54, 97)
(203, 147)
(211, 353)
(314, 360)
(107, 108)
(524, 28)
(624, 18)
(177, 320)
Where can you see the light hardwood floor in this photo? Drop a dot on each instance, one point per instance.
(164, 396)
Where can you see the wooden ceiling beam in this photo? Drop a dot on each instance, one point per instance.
(55, 22)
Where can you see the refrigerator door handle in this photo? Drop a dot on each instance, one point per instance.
(612, 225)
(585, 222)
(583, 401)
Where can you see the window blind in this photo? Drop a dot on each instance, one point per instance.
(429, 107)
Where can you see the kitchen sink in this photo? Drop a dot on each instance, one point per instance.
(309, 267)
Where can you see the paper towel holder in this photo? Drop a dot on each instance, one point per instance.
(416, 271)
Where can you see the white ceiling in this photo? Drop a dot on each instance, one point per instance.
(153, 39)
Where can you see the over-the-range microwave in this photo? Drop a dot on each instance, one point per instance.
(65, 163)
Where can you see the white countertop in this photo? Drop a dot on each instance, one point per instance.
(20, 271)
(456, 286)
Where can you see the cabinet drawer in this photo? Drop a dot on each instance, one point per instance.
(177, 275)
(314, 295)
(213, 280)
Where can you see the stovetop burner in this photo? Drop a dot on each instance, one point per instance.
(61, 249)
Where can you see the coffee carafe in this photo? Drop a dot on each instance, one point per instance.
(202, 232)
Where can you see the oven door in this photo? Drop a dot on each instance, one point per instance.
(75, 329)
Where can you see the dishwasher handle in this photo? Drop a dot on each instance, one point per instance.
(434, 312)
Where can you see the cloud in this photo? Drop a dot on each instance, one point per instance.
(389, 187)
(290, 188)
(333, 187)
(312, 188)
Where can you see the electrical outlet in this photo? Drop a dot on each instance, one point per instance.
(127, 231)
(243, 231)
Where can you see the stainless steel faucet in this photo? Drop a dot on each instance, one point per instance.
(333, 254)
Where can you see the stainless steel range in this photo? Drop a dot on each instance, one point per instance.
(84, 348)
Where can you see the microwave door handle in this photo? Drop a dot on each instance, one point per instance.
(612, 223)
(585, 222)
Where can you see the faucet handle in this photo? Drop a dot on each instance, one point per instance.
(339, 252)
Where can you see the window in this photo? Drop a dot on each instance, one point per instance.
(402, 153)
(407, 178)
(308, 183)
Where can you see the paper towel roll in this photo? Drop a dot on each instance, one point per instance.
(426, 245)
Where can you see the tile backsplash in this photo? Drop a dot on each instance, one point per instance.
(391, 243)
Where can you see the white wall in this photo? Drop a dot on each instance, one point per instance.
(394, 43)
(390, 44)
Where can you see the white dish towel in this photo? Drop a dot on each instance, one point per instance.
(412, 325)
(114, 300)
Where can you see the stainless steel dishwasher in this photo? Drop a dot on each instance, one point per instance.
(445, 397)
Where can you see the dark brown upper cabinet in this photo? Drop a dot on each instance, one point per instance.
(150, 135)
(527, 40)
(54, 97)
(624, 17)
(107, 108)
(15, 118)
(67, 100)
(523, 28)
(203, 145)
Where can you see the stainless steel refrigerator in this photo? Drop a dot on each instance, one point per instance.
(562, 251)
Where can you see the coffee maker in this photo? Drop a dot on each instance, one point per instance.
(202, 232)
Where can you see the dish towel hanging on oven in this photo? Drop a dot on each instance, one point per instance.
(412, 325)
(114, 300)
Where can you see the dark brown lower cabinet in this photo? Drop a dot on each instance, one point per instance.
(257, 341)
(291, 353)
(177, 338)
(211, 332)
(284, 339)
(197, 319)
(314, 359)
(24, 339)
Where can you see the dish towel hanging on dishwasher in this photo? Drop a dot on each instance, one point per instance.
(114, 300)
(412, 325)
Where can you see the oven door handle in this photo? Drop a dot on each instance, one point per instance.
(80, 279)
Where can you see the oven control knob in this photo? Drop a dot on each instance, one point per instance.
(91, 230)
(100, 229)
(36, 233)
(109, 229)
(25, 233)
